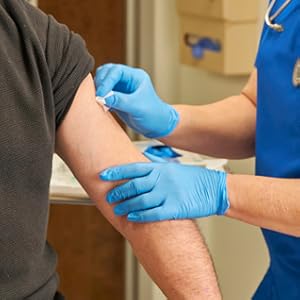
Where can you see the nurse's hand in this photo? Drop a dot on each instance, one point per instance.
(135, 100)
(167, 191)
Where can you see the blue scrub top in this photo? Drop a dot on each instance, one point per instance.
(278, 142)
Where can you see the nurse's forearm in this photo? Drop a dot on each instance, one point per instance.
(222, 129)
(269, 203)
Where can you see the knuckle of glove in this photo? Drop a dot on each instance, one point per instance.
(116, 195)
(115, 174)
(133, 188)
(142, 201)
(143, 74)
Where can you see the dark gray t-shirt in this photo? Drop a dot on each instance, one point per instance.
(42, 65)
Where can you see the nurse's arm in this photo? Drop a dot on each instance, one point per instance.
(265, 202)
(173, 253)
(223, 129)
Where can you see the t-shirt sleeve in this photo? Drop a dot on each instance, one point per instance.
(67, 57)
(69, 63)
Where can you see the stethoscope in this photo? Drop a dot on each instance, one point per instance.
(269, 19)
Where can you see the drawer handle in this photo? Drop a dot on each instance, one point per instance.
(199, 45)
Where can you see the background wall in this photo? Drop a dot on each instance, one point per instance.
(238, 249)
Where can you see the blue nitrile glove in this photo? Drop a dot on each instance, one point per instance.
(135, 100)
(165, 191)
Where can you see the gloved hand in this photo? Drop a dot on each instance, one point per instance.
(162, 191)
(135, 100)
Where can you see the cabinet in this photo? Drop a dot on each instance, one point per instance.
(219, 35)
(230, 10)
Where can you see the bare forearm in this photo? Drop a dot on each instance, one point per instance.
(266, 202)
(222, 129)
(173, 253)
(169, 245)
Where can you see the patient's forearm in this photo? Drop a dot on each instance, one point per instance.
(176, 257)
(173, 253)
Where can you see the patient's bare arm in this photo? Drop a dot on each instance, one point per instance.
(173, 253)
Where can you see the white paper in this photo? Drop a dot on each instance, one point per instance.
(102, 101)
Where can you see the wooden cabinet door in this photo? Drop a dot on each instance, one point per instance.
(91, 253)
(102, 23)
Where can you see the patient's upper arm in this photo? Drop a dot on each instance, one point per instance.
(90, 140)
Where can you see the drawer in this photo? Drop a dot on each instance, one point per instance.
(230, 10)
(237, 45)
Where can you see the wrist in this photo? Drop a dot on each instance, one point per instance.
(224, 203)
(168, 123)
(234, 188)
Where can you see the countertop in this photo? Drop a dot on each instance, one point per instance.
(65, 189)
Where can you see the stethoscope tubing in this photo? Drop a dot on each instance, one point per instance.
(269, 19)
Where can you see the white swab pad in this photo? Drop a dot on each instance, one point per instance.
(102, 101)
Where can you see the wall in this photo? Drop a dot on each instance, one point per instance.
(238, 249)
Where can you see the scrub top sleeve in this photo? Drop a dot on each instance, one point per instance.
(69, 63)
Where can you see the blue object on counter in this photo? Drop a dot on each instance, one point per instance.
(165, 152)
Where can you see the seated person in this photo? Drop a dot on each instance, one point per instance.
(48, 104)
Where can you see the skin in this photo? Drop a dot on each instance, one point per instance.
(89, 141)
(227, 129)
